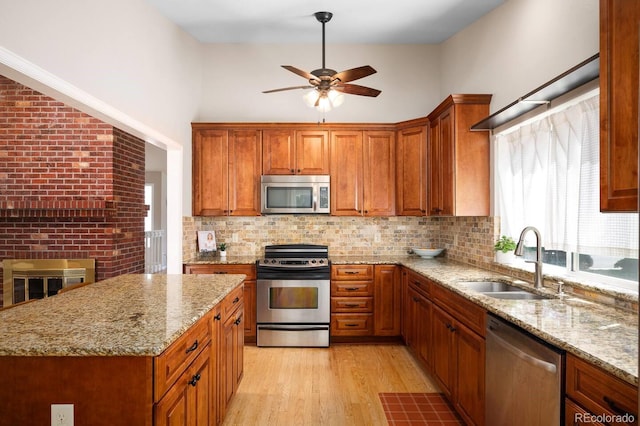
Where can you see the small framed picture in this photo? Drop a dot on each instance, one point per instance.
(206, 241)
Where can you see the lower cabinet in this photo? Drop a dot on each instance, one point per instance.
(593, 394)
(366, 301)
(445, 332)
(188, 401)
(231, 348)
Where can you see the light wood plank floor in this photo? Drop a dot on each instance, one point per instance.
(322, 386)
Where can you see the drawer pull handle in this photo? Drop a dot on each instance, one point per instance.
(193, 347)
(236, 300)
(221, 272)
(351, 288)
(352, 272)
(194, 379)
(351, 305)
(614, 407)
(238, 321)
(351, 325)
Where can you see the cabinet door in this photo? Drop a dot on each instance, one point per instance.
(443, 350)
(420, 328)
(470, 351)
(312, 152)
(387, 301)
(245, 164)
(227, 360)
(379, 172)
(278, 152)
(210, 172)
(441, 156)
(619, 105)
(346, 173)
(411, 172)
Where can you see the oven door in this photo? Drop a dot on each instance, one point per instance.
(293, 301)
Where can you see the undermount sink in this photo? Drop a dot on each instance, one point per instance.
(502, 290)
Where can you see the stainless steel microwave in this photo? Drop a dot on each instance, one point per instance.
(282, 194)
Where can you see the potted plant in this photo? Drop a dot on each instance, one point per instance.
(223, 249)
(504, 248)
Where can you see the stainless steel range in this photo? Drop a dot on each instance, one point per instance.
(293, 296)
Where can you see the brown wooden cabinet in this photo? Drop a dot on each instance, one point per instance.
(458, 159)
(592, 390)
(411, 169)
(249, 290)
(289, 151)
(387, 300)
(419, 329)
(619, 62)
(226, 172)
(231, 348)
(352, 290)
(362, 173)
(188, 401)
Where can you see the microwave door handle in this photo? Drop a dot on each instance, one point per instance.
(315, 199)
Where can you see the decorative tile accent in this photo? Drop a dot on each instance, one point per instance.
(418, 409)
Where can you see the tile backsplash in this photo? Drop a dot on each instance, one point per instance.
(466, 239)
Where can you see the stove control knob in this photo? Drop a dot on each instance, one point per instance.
(313, 261)
(321, 261)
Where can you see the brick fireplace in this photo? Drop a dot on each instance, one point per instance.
(71, 186)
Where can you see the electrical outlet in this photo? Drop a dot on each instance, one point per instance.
(377, 237)
(61, 414)
(234, 237)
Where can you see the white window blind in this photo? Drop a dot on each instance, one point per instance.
(547, 175)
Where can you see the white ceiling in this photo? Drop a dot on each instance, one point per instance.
(354, 21)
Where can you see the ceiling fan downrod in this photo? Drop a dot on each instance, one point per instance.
(323, 18)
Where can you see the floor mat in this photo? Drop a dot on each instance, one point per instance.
(418, 409)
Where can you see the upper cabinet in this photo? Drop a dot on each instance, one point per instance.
(458, 159)
(619, 62)
(226, 172)
(363, 173)
(295, 152)
(411, 168)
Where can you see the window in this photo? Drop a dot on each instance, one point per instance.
(547, 176)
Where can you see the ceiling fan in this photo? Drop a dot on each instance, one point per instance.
(330, 84)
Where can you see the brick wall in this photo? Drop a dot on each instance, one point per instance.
(71, 186)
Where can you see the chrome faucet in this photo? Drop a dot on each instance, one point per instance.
(537, 283)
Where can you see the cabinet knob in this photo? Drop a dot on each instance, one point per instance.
(238, 321)
(298, 170)
(236, 300)
(293, 171)
(218, 317)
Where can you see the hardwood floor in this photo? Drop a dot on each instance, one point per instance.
(322, 386)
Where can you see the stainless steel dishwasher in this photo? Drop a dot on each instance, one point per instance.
(523, 379)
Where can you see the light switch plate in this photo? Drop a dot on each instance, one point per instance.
(61, 414)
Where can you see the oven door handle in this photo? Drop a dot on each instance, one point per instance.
(285, 328)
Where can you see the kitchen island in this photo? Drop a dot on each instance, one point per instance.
(113, 349)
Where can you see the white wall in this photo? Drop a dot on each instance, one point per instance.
(236, 75)
(518, 47)
(122, 52)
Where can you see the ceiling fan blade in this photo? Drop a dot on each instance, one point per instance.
(288, 88)
(354, 89)
(301, 73)
(354, 73)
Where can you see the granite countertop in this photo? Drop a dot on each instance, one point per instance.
(129, 315)
(603, 335)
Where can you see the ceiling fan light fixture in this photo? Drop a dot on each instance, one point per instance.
(323, 101)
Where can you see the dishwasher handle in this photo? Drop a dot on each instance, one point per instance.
(551, 368)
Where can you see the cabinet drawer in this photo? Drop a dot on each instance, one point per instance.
(232, 301)
(248, 270)
(352, 304)
(598, 391)
(419, 283)
(351, 288)
(352, 272)
(465, 311)
(351, 324)
(171, 363)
